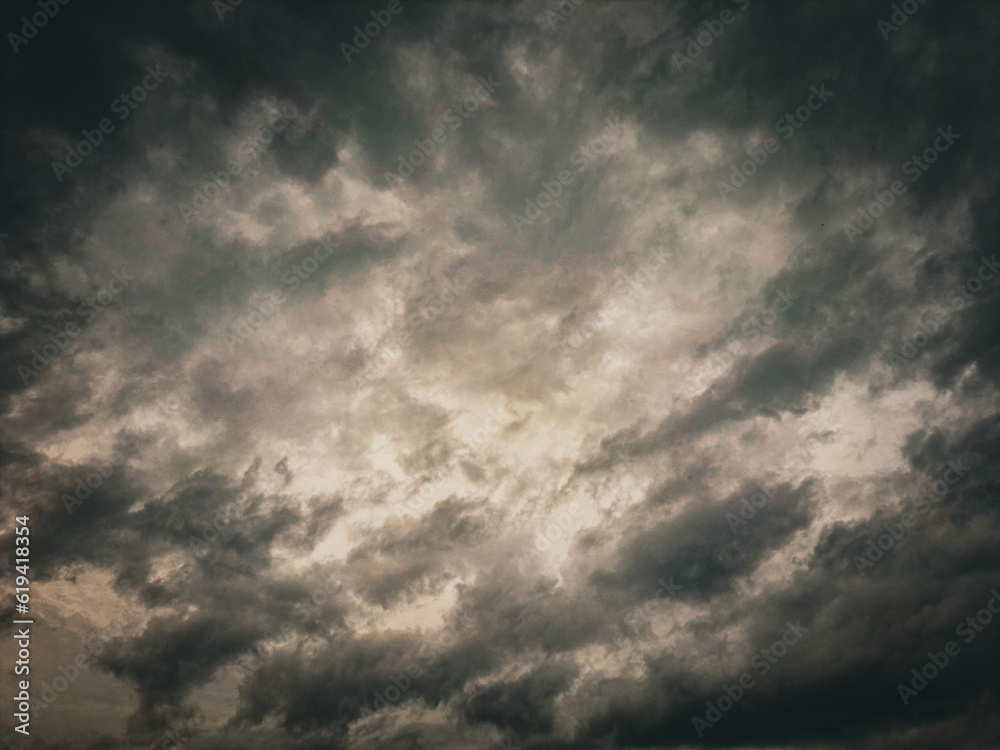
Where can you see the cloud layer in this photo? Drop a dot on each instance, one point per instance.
(523, 377)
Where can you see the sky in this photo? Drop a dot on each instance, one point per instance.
(579, 376)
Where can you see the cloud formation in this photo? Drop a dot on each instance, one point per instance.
(429, 386)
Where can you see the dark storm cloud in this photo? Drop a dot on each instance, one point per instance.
(174, 654)
(362, 667)
(702, 548)
(525, 705)
(409, 558)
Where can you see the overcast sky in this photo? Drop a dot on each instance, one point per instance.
(478, 375)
